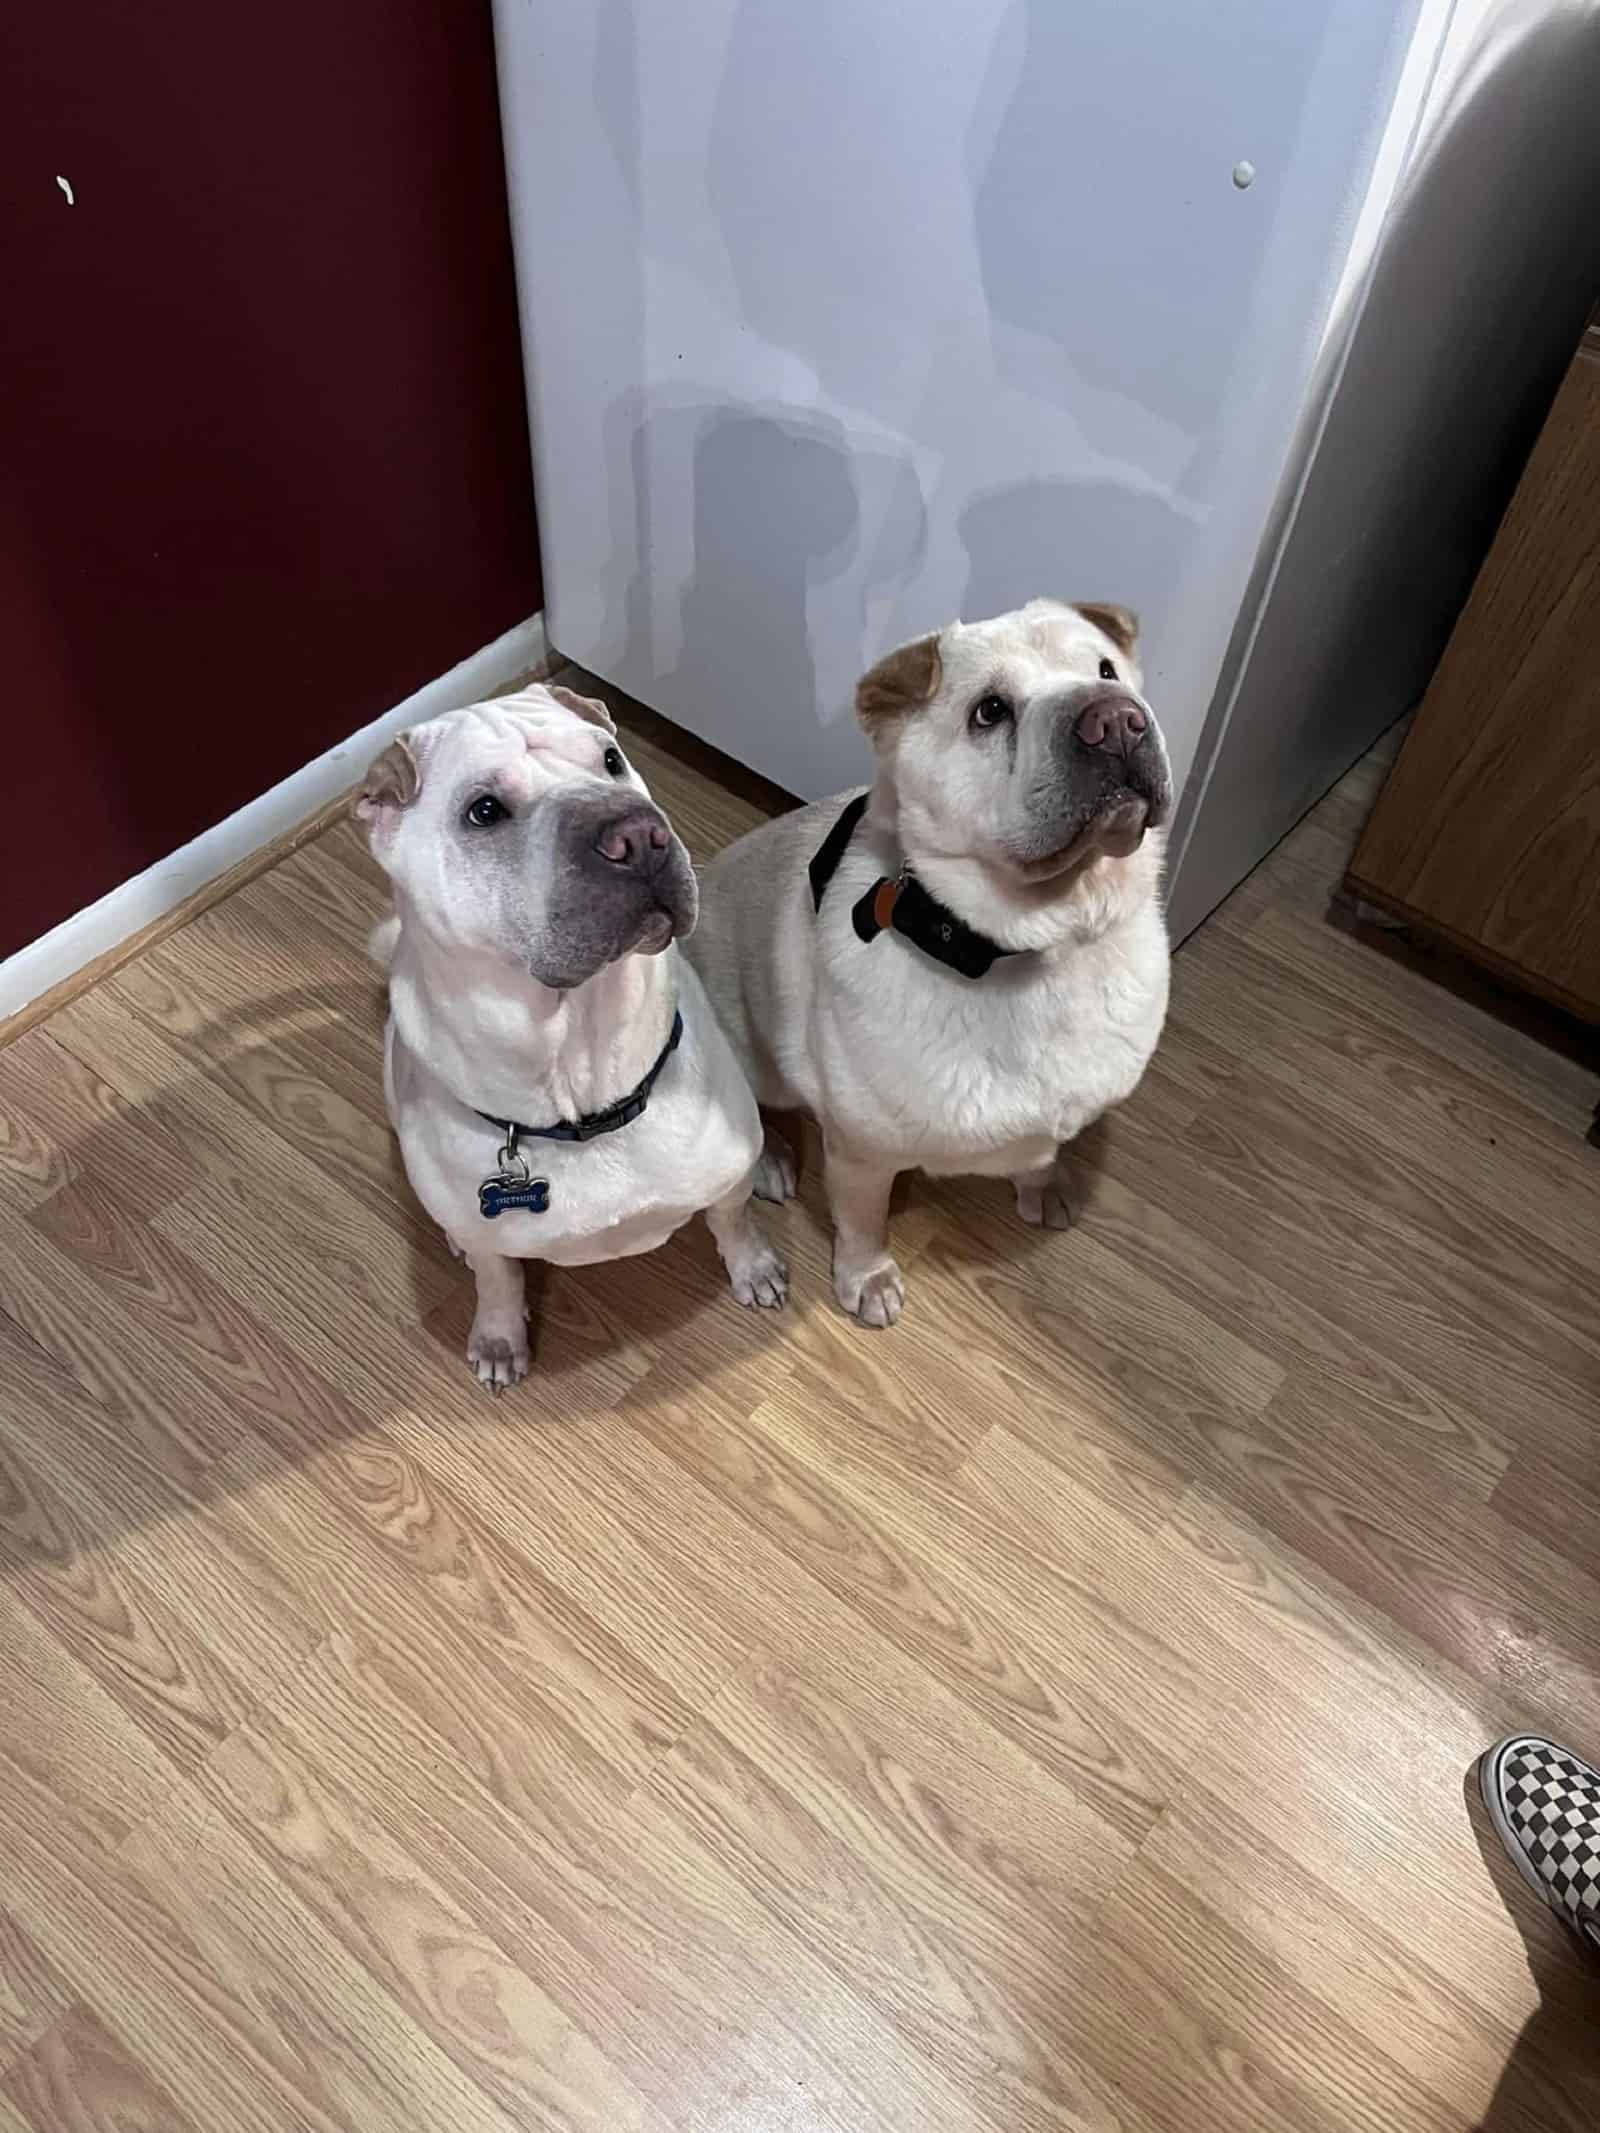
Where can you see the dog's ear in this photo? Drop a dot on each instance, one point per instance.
(393, 782)
(589, 707)
(1120, 624)
(902, 681)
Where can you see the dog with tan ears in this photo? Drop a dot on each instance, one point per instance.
(559, 1084)
(959, 969)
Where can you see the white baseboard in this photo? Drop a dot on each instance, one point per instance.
(133, 905)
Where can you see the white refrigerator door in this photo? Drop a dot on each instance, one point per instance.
(847, 318)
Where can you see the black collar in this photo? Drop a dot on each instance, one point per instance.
(902, 906)
(590, 1128)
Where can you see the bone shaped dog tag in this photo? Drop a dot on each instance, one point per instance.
(513, 1185)
(498, 1193)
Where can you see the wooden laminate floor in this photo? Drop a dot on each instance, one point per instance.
(1054, 1713)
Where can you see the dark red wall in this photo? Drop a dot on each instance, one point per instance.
(263, 455)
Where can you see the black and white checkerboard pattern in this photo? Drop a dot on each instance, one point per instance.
(1552, 1804)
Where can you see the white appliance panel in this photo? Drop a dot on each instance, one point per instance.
(844, 320)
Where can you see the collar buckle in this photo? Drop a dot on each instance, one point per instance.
(902, 905)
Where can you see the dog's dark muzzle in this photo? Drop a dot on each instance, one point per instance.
(1110, 747)
(623, 885)
(1106, 784)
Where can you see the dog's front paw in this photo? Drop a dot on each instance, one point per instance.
(760, 1279)
(1044, 1206)
(874, 1296)
(776, 1173)
(498, 1359)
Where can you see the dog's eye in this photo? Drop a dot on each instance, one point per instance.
(988, 711)
(1107, 671)
(484, 812)
(614, 763)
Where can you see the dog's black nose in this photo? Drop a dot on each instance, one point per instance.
(1113, 722)
(638, 839)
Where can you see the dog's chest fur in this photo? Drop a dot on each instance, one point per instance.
(966, 1075)
(621, 1193)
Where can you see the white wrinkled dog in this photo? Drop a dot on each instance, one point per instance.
(559, 1085)
(961, 968)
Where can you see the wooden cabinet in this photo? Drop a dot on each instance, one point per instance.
(1487, 832)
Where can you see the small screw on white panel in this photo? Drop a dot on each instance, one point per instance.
(1244, 175)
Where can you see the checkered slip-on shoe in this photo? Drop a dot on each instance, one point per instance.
(1545, 1804)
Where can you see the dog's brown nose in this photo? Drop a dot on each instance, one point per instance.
(1114, 722)
(637, 839)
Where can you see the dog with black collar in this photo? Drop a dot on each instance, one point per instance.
(559, 1084)
(959, 969)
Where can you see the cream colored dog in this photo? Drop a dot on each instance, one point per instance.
(559, 1084)
(959, 970)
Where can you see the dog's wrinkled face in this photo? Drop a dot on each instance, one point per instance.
(1024, 743)
(519, 829)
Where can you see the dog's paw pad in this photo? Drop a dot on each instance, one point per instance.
(875, 1300)
(1044, 1207)
(496, 1361)
(776, 1174)
(763, 1283)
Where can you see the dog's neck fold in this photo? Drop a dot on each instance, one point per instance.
(1018, 915)
(502, 1043)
